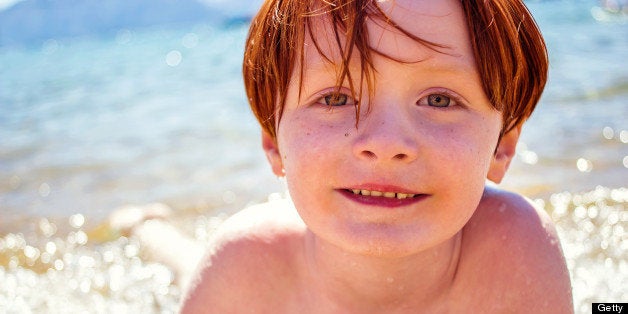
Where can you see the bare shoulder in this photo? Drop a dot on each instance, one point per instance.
(253, 256)
(511, 247)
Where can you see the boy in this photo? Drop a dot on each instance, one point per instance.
(386, 117)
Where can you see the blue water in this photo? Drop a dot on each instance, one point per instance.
(91, 124)
(159, 115)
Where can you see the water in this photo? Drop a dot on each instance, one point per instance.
(159, 115)
(94, 124)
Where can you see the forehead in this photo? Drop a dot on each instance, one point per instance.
(441, 22)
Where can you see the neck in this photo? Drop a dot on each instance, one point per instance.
(378, 283)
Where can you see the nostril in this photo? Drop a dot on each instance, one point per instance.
(400, 156)
(369, 154)
(384, 148)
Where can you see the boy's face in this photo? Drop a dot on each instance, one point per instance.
(427, 143)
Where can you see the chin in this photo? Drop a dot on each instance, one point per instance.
(392, 244)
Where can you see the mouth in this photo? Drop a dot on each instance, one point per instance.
(388, 198)
(397, 195)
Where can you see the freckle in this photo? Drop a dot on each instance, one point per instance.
(346, 134)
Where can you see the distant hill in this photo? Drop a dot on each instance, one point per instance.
(34, 21)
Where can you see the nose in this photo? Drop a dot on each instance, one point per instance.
(386, 135)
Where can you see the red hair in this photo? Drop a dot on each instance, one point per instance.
(508, 47)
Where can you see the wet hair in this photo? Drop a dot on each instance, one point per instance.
(508, 47)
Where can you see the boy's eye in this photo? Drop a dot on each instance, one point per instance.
(438, 100)
(335, 100)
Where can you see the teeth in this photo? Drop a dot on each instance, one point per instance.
(384, 194)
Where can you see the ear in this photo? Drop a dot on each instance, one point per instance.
(506, 149)
(272, 153)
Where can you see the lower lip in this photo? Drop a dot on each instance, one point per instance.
(382, 201)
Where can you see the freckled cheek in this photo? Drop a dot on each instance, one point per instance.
(465, 148)
(310, 155)
(302, 144)
(459, 171)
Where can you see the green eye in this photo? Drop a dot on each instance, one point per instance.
(438, 100)
(336, 100)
